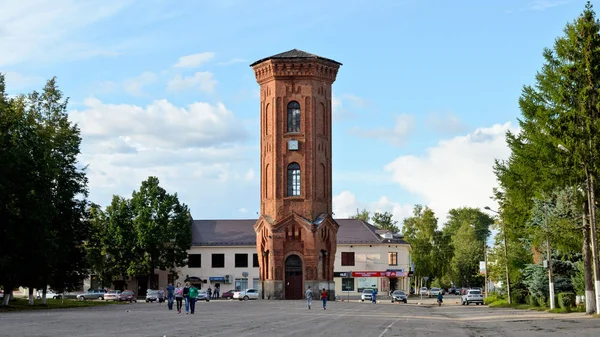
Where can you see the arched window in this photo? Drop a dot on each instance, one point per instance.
(293, 180)
(293, 117)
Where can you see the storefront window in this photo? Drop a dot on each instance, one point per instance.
(347, 284)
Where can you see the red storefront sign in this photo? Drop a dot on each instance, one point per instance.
(378, 273)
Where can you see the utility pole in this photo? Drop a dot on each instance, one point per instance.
(549, 257)
(593, 235)
(486, 288)
(505, 257)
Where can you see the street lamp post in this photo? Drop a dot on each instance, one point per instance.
(485, 287)
(505, 257)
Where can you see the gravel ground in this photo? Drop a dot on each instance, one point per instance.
(292, 318)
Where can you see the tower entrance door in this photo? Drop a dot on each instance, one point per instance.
(293, 278)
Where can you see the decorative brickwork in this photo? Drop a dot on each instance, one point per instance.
(296, 211)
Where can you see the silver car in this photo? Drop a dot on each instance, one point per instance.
(399, 296)
(433, 292)
(92, 294)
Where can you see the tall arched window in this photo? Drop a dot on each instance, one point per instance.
(293, 122)
(293, 180)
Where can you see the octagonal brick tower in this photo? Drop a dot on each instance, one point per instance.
(295, 233)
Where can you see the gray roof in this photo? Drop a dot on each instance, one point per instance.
(294, 54)
(241, 233)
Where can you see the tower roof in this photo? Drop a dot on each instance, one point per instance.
(294, 54)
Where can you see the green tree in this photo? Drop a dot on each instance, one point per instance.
(385, 221)
(121, 239)
(163, 227)
(419, 231)
(363, 215)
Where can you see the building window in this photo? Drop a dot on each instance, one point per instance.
(347, 258)
(241, 284)
(347, 284)
(293, 117)
(255, 260)
(218, 260)
(194, 261)
(293, 180)
(241, 260)
(393, 258)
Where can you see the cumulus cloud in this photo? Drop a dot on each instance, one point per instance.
(49, 30)
(445, 123)
(397, 136)
(160, 125)
(194, 60)
(198, 151)
(202, 80)
(456, 172)
(344, 106)
(346, 205)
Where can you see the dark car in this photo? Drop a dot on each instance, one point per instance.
(127, 295)
(228, 294)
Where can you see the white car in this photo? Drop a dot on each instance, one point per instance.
(472, 296)
(248, 294)
(423, 291)
(367, 295)
(433, 292)
(49, 294)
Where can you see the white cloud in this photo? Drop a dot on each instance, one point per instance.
(194, 60)
(445, 123)
(341, 111)
(15, 80)
(202, 80)
(160, 125)
(197, 151)
(346, 205)
(540, 5)
(396, 136)
(133, 86)
(456, 172)
(38, 30)
(232, 61)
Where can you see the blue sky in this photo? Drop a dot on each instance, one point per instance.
(421, 104)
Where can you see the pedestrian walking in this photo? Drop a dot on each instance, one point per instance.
(179, 297)
(374, 297)
(209, 292)
(170, 295)
(186, 297)
(309, 297)
(324, 299)
(193, 295)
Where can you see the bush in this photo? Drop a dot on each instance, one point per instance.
(531, 300)
(566, 300)
(491, 298)
(542, 302)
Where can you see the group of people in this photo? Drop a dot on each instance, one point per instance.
(179, 294)
(309, 297)
(213, 294)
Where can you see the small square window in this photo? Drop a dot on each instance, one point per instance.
(194, 260)
(218, 260)
(241, 260)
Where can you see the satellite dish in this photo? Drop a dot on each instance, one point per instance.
(245, 274)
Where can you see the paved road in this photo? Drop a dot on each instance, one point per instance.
(292, 318)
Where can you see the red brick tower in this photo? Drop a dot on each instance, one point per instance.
(295, 233)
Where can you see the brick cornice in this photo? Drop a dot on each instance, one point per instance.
(301, 68)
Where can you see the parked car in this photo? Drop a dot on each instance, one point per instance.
(472, 296)
(228, 294)
(127, 295)
(112, 295)
(91, 294)
(423, 291)
(367, 294)
(399, 296)
(248, 294)
(452, 290)
(434, 292)
(202, 295)
(49, 294)
(155, 296)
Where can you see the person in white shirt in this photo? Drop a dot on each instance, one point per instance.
(309, 296)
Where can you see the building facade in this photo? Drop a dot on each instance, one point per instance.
(295, 231)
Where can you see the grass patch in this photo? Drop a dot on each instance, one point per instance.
(21, 304)
(504, 304)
